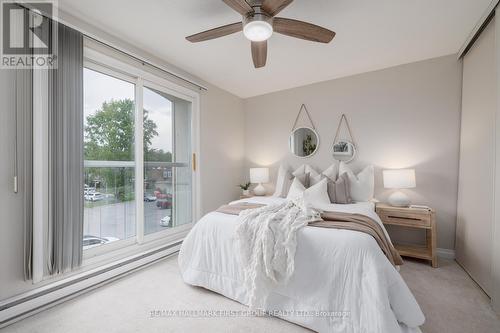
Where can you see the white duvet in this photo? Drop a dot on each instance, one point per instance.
(342, 281)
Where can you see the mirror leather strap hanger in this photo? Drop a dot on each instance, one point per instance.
(303, 107)
(342, 119)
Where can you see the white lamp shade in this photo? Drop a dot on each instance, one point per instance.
(259, 175)
(401, 178)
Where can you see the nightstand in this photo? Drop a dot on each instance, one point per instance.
(242, 196)
(424, 219)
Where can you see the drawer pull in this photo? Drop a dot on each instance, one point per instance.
(403, 218)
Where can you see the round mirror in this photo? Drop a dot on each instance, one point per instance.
(304, 142)
(344, 151)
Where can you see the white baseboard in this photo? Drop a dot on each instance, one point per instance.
(32, 302)
(446, 253)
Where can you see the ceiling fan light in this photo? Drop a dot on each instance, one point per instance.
(258, 31)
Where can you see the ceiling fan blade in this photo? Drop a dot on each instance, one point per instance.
(241, 6)
(216, 32)
(303, 30)
(273, 7)
(259, 53)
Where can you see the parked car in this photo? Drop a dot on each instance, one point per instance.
(160, 195)
(164, 203)
(96, 196)
(149, 197)
(165, 222)
(89, 190)
(93, 241)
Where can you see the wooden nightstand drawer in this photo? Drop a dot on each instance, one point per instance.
(409, 219)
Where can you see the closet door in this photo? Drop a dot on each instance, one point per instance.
(477, 160)
(495, 294)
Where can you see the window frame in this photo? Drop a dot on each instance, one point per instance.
(141, 77)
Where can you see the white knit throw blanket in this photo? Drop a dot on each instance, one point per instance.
(267, 239)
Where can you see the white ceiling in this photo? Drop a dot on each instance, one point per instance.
(371, 35)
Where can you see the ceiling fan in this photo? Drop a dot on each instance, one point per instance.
(259, 23)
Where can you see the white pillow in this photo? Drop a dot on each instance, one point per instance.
(296, 190)
(282, 182)
(305, 168)
(314, 196)
(362, 185)
(317, 195)
(315, 180)
(330, 173)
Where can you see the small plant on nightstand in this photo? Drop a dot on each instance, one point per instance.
(245, 187)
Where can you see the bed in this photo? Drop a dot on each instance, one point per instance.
(342, 281)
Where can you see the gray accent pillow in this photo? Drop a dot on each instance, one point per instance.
(305, 179)
(339, 191)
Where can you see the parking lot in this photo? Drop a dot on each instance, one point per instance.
(118, 219)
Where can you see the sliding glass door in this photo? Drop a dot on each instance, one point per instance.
(109, 196)
(167, 160)
(138, 145)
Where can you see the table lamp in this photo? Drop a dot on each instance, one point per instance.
(399, 179)
(259, 176)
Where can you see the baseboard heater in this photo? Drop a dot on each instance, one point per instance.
(32, 302)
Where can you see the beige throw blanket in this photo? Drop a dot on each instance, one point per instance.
(337, 220)
(236, 209)
(361, 223)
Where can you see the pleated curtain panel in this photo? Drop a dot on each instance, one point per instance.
(63, 232)
(65, 227)
(23, 159)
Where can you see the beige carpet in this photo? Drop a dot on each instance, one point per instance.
(451, 301)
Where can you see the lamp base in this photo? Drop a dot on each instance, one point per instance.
(259, 190)
(399, 199)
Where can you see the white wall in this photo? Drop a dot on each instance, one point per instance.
(401, 117)
(477, 160)
(222, 148)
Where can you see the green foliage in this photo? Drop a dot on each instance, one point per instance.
(109, 136)
(157, 155)
(109, 133)
(308, 146)
(115, 180)
(245, 186)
